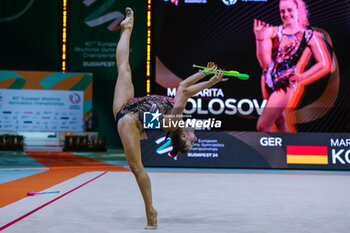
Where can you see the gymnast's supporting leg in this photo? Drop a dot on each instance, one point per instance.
(274, 111)
(124, 89)
(130, 136)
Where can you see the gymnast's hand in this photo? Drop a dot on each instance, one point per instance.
(296, 78)
(261, 30)
(218, 77)
(211, 66)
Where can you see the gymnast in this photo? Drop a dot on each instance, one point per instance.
(278, 50)
(128, 112)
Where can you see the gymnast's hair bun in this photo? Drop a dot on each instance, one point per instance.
(173, 153)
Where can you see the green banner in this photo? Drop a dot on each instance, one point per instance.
(93, 33)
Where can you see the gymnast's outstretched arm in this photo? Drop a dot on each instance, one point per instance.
(183, 92)
(197, 76)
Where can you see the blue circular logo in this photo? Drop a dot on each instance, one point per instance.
(229, 2)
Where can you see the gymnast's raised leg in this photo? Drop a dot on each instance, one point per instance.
(127, 127)
(124, 89)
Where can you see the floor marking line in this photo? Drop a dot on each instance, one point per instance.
(248, 173)
(48, 203)
(57, 168)
(21, 168)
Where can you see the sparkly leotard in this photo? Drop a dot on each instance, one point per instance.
(146, 104)
(286, 53)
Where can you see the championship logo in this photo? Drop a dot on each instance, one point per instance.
(74, 98)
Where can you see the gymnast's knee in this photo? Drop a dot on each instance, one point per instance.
(136, 168)
(124, 68)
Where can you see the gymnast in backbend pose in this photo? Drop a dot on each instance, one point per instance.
(278, 50)
(128, 112)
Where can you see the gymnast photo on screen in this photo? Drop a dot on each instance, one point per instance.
(128, 112)
(278, 50)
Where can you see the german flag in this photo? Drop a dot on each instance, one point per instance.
(307, 155)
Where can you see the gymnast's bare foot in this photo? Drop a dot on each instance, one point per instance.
(128, 22)
(152, 220)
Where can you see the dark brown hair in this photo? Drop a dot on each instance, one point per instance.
(178, 144)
